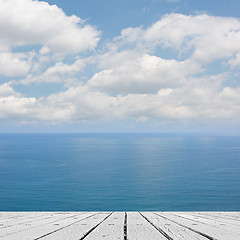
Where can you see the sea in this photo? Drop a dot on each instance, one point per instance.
(119, 172)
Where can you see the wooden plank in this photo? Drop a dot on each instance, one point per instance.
(210, 222)
(78, 230)
(172, 229)
(9, 229)
(230, 214)
(144, 225)
(139, 228)
(41, 227)
(11, 216)
(28, 218)
(111, 229)
(14, 224)
(221, 215)
(221, 220)
(209, 231)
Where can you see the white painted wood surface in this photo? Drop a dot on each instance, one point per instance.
(111, 228)
(139, 228)
(209, 229)
(120, 225)
(80, 229)
(171, 229)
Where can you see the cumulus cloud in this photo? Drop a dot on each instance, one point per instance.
(7, 90)
(13, 105)
(235, 61)
(58, 73)
(14, 64)
(146, 74)
(30, 25)
(16, 108)
(210, 101)
(206, 37)
(27, 22)
(130, 79)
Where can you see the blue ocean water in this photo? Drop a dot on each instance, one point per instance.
(121, 172)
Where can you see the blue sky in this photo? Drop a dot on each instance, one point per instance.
(146, 65)
(111, 16)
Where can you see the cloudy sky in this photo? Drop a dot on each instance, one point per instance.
(130, 65)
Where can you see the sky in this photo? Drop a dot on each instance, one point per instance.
(120, 66)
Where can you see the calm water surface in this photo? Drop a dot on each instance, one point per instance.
(124, 172)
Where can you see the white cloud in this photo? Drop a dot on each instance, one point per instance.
(130, 80)
(80, 103)
(24, 22)
(14, 64)
(62, 69)
(58, 73)
(12, 107)
(7, 90)
(209, 37)
(208, 101)
(33, 24)
(235, 61)
(145, 74)
(84, 103)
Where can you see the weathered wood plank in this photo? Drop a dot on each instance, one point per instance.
(41, 227)
(230, 214)
(114, 226)
(210, 222)
(111, 229)
(171, 229)
(139, 228)
(218, 215)
(203, 228)
(220, 220)
(78, 230)
(31, 217)
(11, 216)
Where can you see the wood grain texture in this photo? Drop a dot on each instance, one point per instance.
(111, 229)
(209, 229)
(120, 225)
(140, 228)
(212, 222)
(78, 229)
(221, 217)
(172, 229)
(41, 227)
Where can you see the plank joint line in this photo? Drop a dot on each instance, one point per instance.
(95, 226)
(159, 229)
(125, 227)
(193, 230)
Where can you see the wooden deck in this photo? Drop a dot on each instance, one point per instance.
(120, 225)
